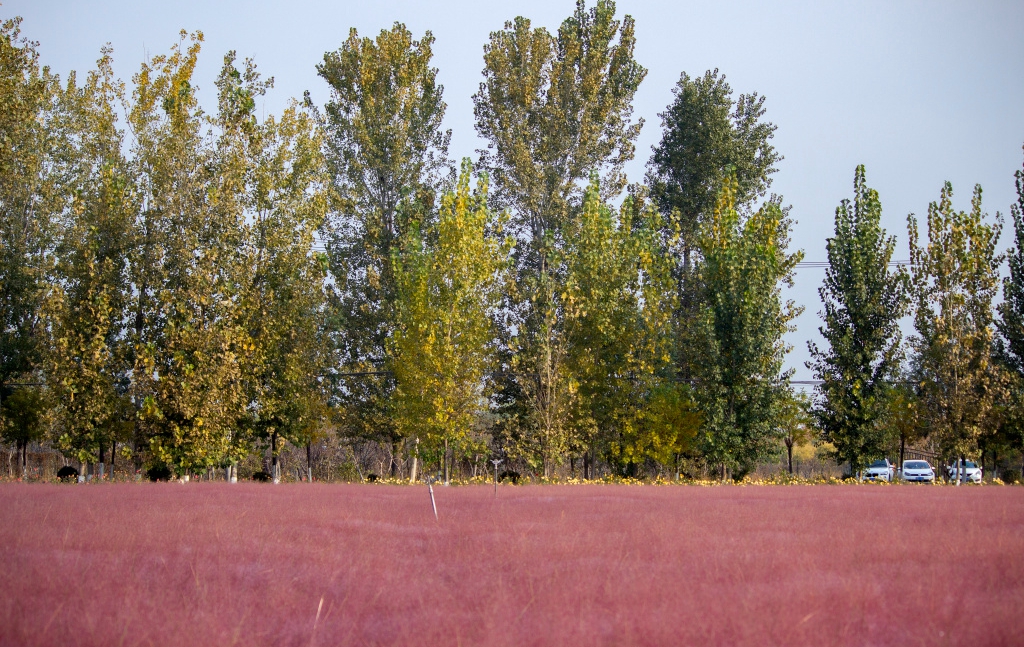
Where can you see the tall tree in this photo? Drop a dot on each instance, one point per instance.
(864, 301)
(1010, 324)
(706, 136)
(619, 298)
(189, 384)
(387, 156)
(282, 296)
(555, 108)
(955, 278)
(740, 378)
(88, 365)
(450, 281)
(29, 196)
(552, 109)
(1011, 311)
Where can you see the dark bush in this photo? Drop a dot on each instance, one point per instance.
(261, 476)
(371, 477)
(509, 475)
(1010, 476)
(68, 474)
(159, 473)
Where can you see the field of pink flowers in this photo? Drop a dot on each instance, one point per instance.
(258, 564)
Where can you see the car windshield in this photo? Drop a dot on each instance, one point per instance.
(970, 464)
(878, 464)
(915, 465)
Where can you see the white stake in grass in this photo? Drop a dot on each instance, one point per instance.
(430, 488)
(496, 461)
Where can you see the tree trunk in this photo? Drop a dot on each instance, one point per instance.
(24, 460)
(903, 449)
(789, 454)
(415, 461)
(275, 469)
(445, 461)
(102, 462)
(113, 457)
(309, 462)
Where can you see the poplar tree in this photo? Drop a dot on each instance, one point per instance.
(619, 300)
(1010, 324)
(282, 302)
(187, 360)
(739, 379)
(552, 109)
(706, 136)
(88, 369)
(387, 155)
(955, 274)
(864, 301)
(29, 196)
(450, 281)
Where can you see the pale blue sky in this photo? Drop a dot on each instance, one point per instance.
(920, 92)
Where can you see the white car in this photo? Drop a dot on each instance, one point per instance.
(917, 472)
(881, 470)
(971, 472)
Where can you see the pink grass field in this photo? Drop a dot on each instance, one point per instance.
(251, 564)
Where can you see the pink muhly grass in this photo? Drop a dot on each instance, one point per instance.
(257, 564)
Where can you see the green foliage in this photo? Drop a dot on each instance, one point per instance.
(387, 155)
(450, 282)
(706, 136)
(955, 279)
(739, 377)
(29, 196)
(555, 108)
(88, 357)
(863, 302)
(23, 415)
(282, 297)
(618, 300)
(1011, 311)
(1010, 324)
(189, 341)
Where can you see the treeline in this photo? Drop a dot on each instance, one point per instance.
(193, 288)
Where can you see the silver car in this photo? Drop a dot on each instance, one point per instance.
(917, 472)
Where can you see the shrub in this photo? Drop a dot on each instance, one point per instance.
(158, 473)
(68, 474)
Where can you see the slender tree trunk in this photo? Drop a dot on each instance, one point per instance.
(102, 462)
(903, 450)
(445, 461)
(415, 460)
(113, 457)
(309, 462)
(24, 460)
(275, 468)
(789, 454)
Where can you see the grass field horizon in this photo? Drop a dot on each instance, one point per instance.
(311, 564)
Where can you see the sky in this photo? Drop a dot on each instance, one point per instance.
(921, 92)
